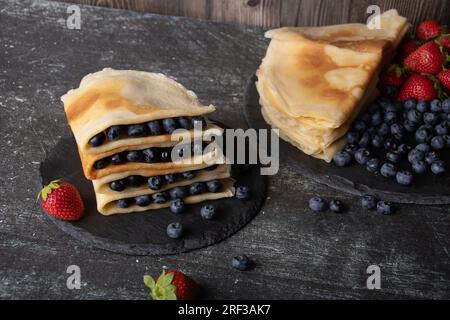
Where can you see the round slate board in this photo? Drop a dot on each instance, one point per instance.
(426, 189)
(145, 233)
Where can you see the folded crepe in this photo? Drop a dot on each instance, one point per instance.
(313, 82)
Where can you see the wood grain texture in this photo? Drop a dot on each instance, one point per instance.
(276, 13)
(298, 254)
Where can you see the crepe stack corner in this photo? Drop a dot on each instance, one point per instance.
(314, 81)
(122, 121)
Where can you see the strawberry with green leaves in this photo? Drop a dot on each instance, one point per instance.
(62, 200)
(428, 29)
(427, 59)
(417, 87)
(172, 285)
(407, 48)
(392, 77)
(445, 42)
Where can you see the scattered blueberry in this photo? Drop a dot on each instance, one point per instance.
(150, 155)
(438, 167)
(404, 178)
(134, 156)
(97, 140)
(137, 130)
(419, 166)
(178, 192)
(214, 186)
(241, 263)
(368, 202)
(177, 206)
(385, 207)
(208, 212)
(155, 183)
(118, 185)
(362, 156)
(144, 200)
(160, 197)
(242, 193)
(175, 230)
(169, 125)
(388, 170)
(342, 159)
(318, 204)
(155, 127)
(336, 206)
(197, 188)
(124, 203)
(114, 132)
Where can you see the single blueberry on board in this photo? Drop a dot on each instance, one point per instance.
(446, 105)
(241, 263)
(441, 129)
(318, 204)
(242, 193)
(208, 212)
(430, 118)
(364, 142)
(419, 167)
(388, 170)
(177, 206)
(438, 167)
(336, 206)
(175, 230)
(414, 116)
(372, 165)
(369, 202)
(410, 104)
(385, 207)
(404, 178)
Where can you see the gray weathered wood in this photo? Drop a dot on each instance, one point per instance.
(298, 254)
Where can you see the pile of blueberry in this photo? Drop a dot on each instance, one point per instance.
(156, 182)
(151, 128)
(399, 140)
(176, 230)
(149, 155)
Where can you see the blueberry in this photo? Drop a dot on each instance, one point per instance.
(160, 197)
(177, 206)
(318, 204)
(188, 175)
(438, 143)
(118, 185)
(137, 130)
(178, 192)
(184, 123)
(150, 155)
(241, 263)
(431, 157)
(342, 159)
(336, 206)
(376, 119)
(242, 193)
(414, 116)
(438, 167)
(385, 207)
(170, 178)
(383, 130)
(393, 157)
(170, 125)
(436, 106)
(415, 155)
(102, 163)
(364, 142)
(353, 137)
(125, 203)
(97, 140)
(441, 129)
(422, 106)
(410, 104)
(423, 135)
(419, 166)
(155, 183)
(197, 188)
(351, 148)
(198, 120)
(390, 117)
(403, 149)
(409, 126)
(446, 105)
(390, 144)
(214, 186)
(372, 165)
(423, 147)
(134, 156)
(135, 181)
(368, 202)
(388, 170)
(118, 158)
(430, 118)
(114, 132)
(143, 201)
(404, 178)
(175, 230)
(397, 129)
(208, 212)
(377, 141)
(155, 127)
(362, 156)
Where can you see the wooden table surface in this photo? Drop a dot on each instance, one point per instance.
(299, 254)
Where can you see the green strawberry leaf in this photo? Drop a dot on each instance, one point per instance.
(149, 281)
(162, 289)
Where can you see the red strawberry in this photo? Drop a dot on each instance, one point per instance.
(427, 30)
(417, 87)
(428, 59)
(62, 200)
(445, 42)
(407, 48)
(444, 78)
(392, 77)
(172, 285)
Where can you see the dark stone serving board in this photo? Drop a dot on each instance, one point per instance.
(144, 233)
(426, 189)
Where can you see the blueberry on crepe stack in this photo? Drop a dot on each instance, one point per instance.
(124, 122)
(313, 82)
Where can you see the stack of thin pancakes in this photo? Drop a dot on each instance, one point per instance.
(111, 98)
(313, 82)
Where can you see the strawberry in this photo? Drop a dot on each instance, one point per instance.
(62, 200)
(444, 78)
(428, 59)
(427, 30)
(172, 285)
(417, 87)
(407, 48)
(392, 77)
(445, 42)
